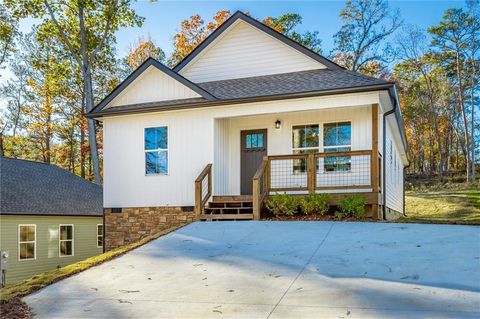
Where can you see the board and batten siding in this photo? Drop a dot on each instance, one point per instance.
(245, 51)
(47, 243)
(394, 178)
(153, 86)
(192, 136)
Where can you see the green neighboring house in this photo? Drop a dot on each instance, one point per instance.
(49, 218)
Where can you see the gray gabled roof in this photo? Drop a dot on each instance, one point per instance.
(288, 83)
(35, 188)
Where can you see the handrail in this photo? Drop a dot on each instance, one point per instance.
(260, 187)
(201, 199)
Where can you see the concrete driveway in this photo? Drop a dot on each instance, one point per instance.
(281, 270)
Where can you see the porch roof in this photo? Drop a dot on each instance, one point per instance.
(288, 83)
(262, 88)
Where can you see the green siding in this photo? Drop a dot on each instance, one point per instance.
(47, 247)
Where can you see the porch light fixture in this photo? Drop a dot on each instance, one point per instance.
(277, 124)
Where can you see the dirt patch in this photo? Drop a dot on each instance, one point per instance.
(14, 308)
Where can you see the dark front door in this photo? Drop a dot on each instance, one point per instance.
(253, 149)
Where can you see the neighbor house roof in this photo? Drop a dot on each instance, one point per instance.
(36, 188)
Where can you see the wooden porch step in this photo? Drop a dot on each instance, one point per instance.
(210, 217)
(230, 204)
(232, 198)
(227, 210)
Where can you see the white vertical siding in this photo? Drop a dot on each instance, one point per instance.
(152, 86)
(245, 51)
(393, 174)
(221, 169)
(192, 140)
(280, 140)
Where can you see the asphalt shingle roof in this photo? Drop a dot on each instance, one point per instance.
(28, 187)
(287, 83)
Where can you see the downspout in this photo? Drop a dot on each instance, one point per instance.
(384, 165)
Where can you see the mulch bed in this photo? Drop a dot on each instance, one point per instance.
(14, 308)
(317, 218)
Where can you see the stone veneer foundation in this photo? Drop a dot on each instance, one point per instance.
(127, 225)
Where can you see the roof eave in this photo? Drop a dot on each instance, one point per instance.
(359, 89)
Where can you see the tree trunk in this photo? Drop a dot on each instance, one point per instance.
(472, 147)
(88, 89)
(464, 115)
(92, 134)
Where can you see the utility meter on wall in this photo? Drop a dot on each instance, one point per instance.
(3, 265)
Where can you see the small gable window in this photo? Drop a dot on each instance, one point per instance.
(156, 150)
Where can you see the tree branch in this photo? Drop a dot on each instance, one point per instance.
(108, 24)
(62, 33)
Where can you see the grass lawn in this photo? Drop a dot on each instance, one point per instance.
(457, 206)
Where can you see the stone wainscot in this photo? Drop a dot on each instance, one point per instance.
(127, 225)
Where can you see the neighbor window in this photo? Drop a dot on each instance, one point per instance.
(156, 150)
(27, 245)
(99, 236)
(304, 140)
(337, 138)
(66, 240)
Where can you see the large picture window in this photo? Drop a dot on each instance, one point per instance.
(66, 240)
(27, 242)
(304, 140)
(337, 138)
(156, 150)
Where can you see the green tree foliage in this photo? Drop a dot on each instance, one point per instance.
(8, 33)
(287, 23)
(86, 28)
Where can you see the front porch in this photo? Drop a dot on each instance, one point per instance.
(333, 151)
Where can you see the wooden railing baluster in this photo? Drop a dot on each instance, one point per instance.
(200, 199)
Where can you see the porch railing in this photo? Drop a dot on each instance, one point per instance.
(309, 173)
(260, 187)
(203, 189)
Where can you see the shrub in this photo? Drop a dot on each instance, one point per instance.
(315, 204)
(283, 204)
(351, 206)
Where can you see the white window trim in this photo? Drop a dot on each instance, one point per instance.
(157, 150)
(34, 242)
(102, 235)
(60, 240)
(336, 146)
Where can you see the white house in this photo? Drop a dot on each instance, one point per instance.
(248, 113)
